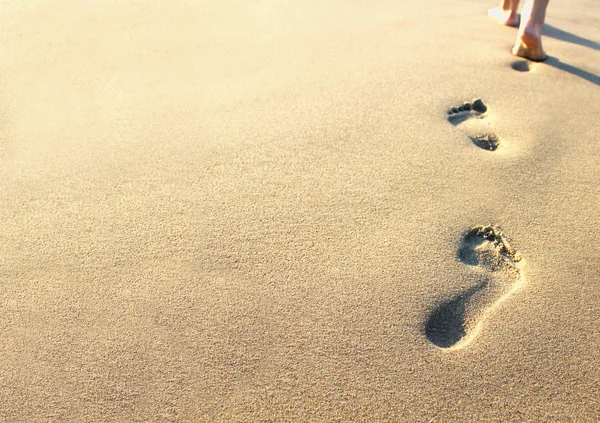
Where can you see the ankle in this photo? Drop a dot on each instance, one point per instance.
(508, 11)
(531, 29)
(509, 7)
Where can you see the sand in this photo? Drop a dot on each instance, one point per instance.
(254, 211)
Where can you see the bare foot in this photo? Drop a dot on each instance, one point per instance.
(529, 46)
(504, 17)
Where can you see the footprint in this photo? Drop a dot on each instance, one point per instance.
(455, 323)
(520, 66)
(472, 120)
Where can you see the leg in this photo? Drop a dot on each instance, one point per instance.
(529, 40)
(506, 14)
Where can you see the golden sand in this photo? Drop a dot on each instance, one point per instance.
(249, 211)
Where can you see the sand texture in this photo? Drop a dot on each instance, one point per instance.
(297, 211)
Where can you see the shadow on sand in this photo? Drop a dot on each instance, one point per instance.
(588, 76)
(559, 34)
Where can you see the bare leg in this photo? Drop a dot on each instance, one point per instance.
(506, 14)
(529, 40)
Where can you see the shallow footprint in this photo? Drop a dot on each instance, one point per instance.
(455, 323)
(471, 119)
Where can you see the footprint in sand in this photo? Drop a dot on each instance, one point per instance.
(455, 323)
(521, 66)
(471, 118)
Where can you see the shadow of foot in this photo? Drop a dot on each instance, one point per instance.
(588, 76)
(559, 34)
(526, 66)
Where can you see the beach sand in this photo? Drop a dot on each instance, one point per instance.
(260, 211)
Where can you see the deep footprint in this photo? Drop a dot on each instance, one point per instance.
(520, 65)
(471, 118)
(455, 323)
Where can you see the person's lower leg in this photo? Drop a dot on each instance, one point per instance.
(534, 15)
(510, 7)
(529, 40)
(507, 12)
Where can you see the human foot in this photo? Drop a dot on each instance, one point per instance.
(455, 323)
(529, 45)
(504, 17)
